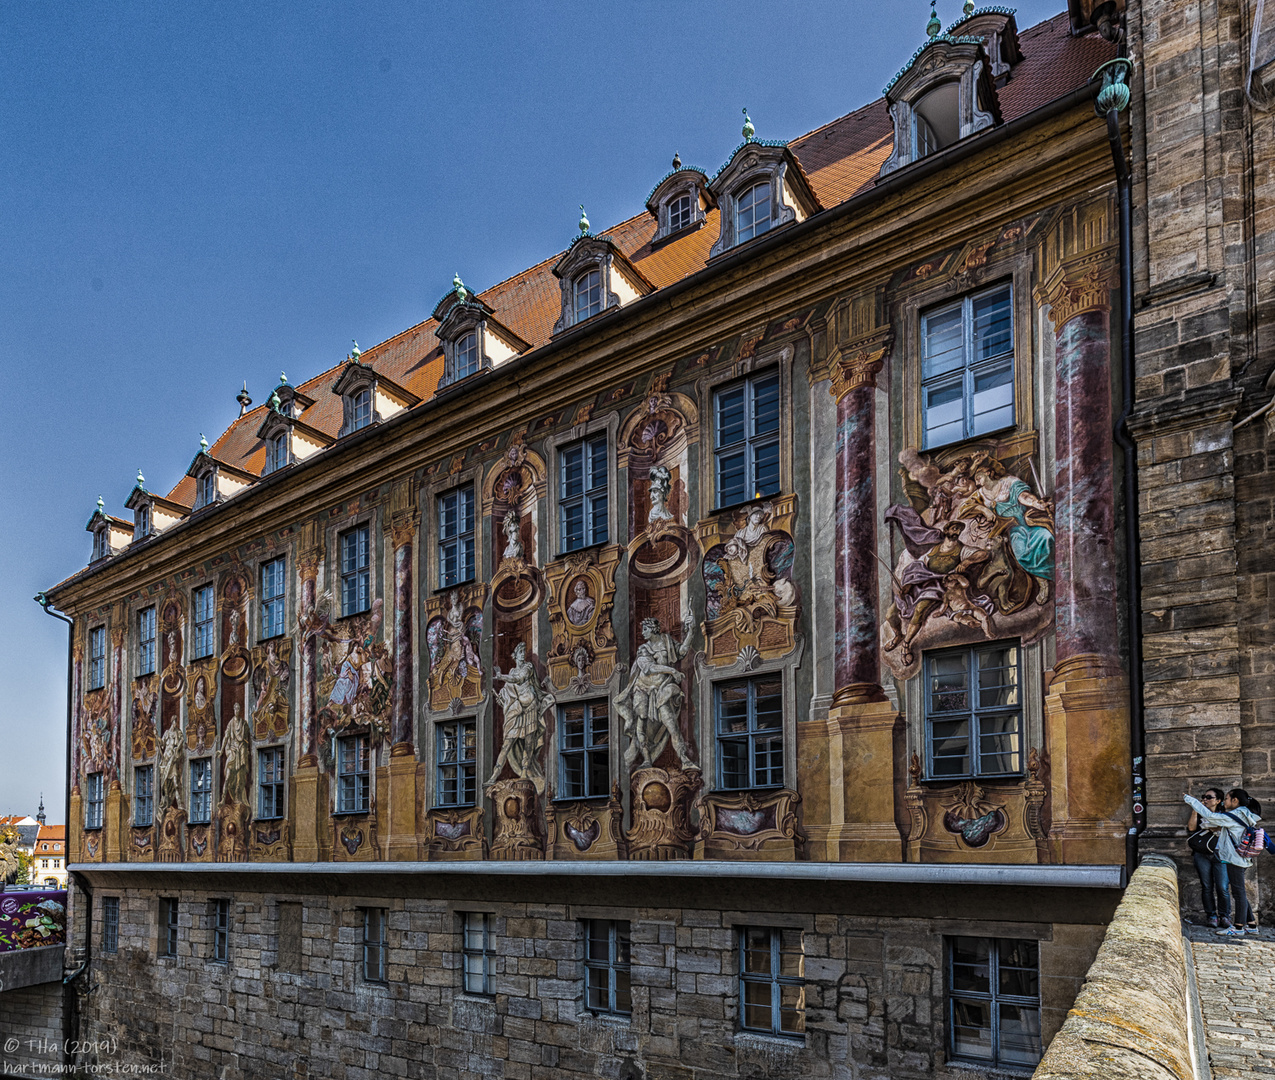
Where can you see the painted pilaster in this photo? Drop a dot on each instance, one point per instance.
(400, 838)
(308, 806)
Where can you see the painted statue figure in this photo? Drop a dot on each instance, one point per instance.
(513, 541)
(452, 651)
(1001, 494)
(170, 767)
(523, 702)
(661, 486)
(236, 742)
(650, 704)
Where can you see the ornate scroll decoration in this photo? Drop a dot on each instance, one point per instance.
(145, 718)
(517, 587)
(453, 634)
(201, 702)
(752, 601)
(455, 834)
(515, 832)
(762, 823)
(661, 826)
(270, 841)
(271, 678)
(971, 817)
(518, 478)
(851, 370)
(236, 660)
(199, 843)
(1076, 260)
(354, 839)
(1080, 287)
(587, 830)
(581, 597)
(141, 844)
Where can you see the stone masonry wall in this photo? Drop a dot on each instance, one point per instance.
(30, 1027)
(874, 989)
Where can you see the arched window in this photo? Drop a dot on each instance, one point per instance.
(752, 212)
(679, 213)
(938, 121)
(588, 294)
(361, 409)
(466, 355)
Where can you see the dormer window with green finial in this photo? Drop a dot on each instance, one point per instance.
(595, 276)
(473, 339)
(680, 202)
(110, 534)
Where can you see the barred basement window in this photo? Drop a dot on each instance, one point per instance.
(110, 924)
(272, 597)
(994, 1000)
(374, 944)
(456, 537)
(204, 613)
(772, 991)
(168, 926)
(221, 931)
(93, 801)
(606, 967)
(477, 952)
(144, 795)
(356, 576)
(746, 439)
(201, 791)
(97, 658)
(973, 712)
(146, 641)
(456, 755)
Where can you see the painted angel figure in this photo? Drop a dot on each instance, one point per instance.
(523, 702)
(453, 645)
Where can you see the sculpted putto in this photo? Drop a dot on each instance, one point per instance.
(650, 704)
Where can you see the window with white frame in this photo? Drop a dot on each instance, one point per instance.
(97, 658)
(746, 423)
(272, 597)
(752, 212)
(455, 537)
(356, 574)
(146, 641)
(206, 490)
(93, 801)
(466, 355)
(270, 780)
(584, 741)
(353, 774)
(772, 986)
(205, 612)
(144, 795)
(967, 367)
(606, 967)
(588, 294)
(456, 757)
(582, 493)
(993, 996)
(375, 941)
(201, 778)
(101, 543)
(168, 925)
(477, 951)
(750, 732)
(221, 931)
(974, 711)
(110, 924)
(276, 451)
(361, 409)
(679, 213)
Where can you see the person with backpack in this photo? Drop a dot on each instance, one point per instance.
(1239, 839)
(1214, 881)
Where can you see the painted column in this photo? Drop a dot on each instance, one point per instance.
(857, 661)
(404, 704)
(1084, 504)
(119, 632)
(309, 658)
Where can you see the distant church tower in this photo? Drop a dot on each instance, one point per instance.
(39, 814)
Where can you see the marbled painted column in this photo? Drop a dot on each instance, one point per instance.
(404, 705)
(857, 661)
(1084, 504)
(309, 659)
(118, 635)
(77, 715)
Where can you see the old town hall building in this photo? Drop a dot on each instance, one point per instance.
(699, 655)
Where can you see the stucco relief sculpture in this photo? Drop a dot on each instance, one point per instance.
(977, 558)
(509, 497)
(232, 816)
(169, 791)
(453, 635)
(523, 702)
(271, 678)
(751, 602)
(581, 596)
(650, 704)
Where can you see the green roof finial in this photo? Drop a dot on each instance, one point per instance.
(101, 506)
(584, 221)
(141, 480)
(749, 130)
(933, 27)
(458, 287)
(356, 352)
(968, 9)
(203, 444)
(274, 400)
(283, 378)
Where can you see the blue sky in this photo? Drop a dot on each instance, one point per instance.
(195, 195)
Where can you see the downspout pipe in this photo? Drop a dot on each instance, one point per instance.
(1112, 99)
(70, 1018)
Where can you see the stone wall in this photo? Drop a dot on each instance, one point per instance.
(874, 990)
(31, 1026)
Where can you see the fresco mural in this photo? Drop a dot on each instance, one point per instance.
(271, 678)
(144, 718)
(453, 635)
(976, 558)
(201, 705)
(651, 702)
(581, 597)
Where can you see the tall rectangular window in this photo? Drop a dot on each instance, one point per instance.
(746, 439)
(752, 212)
(221, 931)
(973, 711)
(97, 658)
(142, 522)
(205, 612)
(201, 791)
(456, 753)
(93, 801)
(750, 732)
(456, 537)
(144, 795)
(270, 783)
(168, 926)
(272, 598)
(582, 493)
(276, 452)
(360, 409)
(146, 641)
(353, 774)
(356, 574)
(772, 990)
(994, 1000)
(967, 367)
(588, 295)
(110, 924)
(102, 543)
(466, 355)
(477, 952)
(206, 493)
(374, 940)
(679, 213)
(606, 967)
(584, 749)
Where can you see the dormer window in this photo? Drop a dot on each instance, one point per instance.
(680, 201)
(752, 212)
(472, 339)
(206, 489)
(101, 544)
(276, 451)
(142, 521)
(679, 213)
(467, 355)
(588, 290)
(360, 409)
(936, 118)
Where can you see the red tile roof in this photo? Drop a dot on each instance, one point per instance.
(841, 159)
